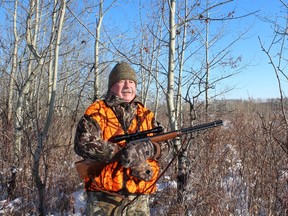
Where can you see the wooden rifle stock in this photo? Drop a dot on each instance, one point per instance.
(87, 168)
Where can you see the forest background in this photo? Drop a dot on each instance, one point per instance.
(55, 58)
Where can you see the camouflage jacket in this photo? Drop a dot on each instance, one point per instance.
(88, 142)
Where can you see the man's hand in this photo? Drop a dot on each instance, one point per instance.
(135, 153)
(142, 172)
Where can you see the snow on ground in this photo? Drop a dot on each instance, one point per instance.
(79, 202)
(8, 208)
(79, 197)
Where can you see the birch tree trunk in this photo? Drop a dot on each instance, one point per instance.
(181, 169)
(51, 62)
(181, 66)
(41, 182)
(183, 162)
(96, 52)
(171, 66)
(22, 92)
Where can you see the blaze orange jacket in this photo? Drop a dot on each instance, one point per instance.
(114, 177)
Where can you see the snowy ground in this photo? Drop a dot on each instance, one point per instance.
(7, 208)
(14, 206)
(79, 197)
(80, 200)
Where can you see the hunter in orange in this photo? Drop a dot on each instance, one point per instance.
(124, 173)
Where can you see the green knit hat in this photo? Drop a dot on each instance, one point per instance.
(121, 71)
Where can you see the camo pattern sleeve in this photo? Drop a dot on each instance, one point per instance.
(88, 143)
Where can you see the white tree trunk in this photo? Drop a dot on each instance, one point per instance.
(171, 66)
(41, 182)
(96, 52)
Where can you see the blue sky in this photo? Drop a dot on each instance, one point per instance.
(257, 81)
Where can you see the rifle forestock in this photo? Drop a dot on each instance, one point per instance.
(165, 136)
(177, 133)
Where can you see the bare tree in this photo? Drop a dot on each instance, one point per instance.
(57, 31)
(276, 52)
(171, 66)
(177, 35)
(149, 55)
(24, 89)
(99, 20)
(98, 67)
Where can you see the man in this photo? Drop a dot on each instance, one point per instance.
(125, 174)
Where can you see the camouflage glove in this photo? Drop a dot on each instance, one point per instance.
(135, 153)
(142, 172)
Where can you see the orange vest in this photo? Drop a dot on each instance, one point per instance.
(114, 177)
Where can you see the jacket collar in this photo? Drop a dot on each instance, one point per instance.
(113, 100)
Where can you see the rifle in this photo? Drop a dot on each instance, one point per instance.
(86, 168)
(136, 136)
(165, 136)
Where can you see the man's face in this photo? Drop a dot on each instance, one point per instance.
(125, 89)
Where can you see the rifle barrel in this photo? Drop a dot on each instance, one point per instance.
(177, 133)
(202, 126)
